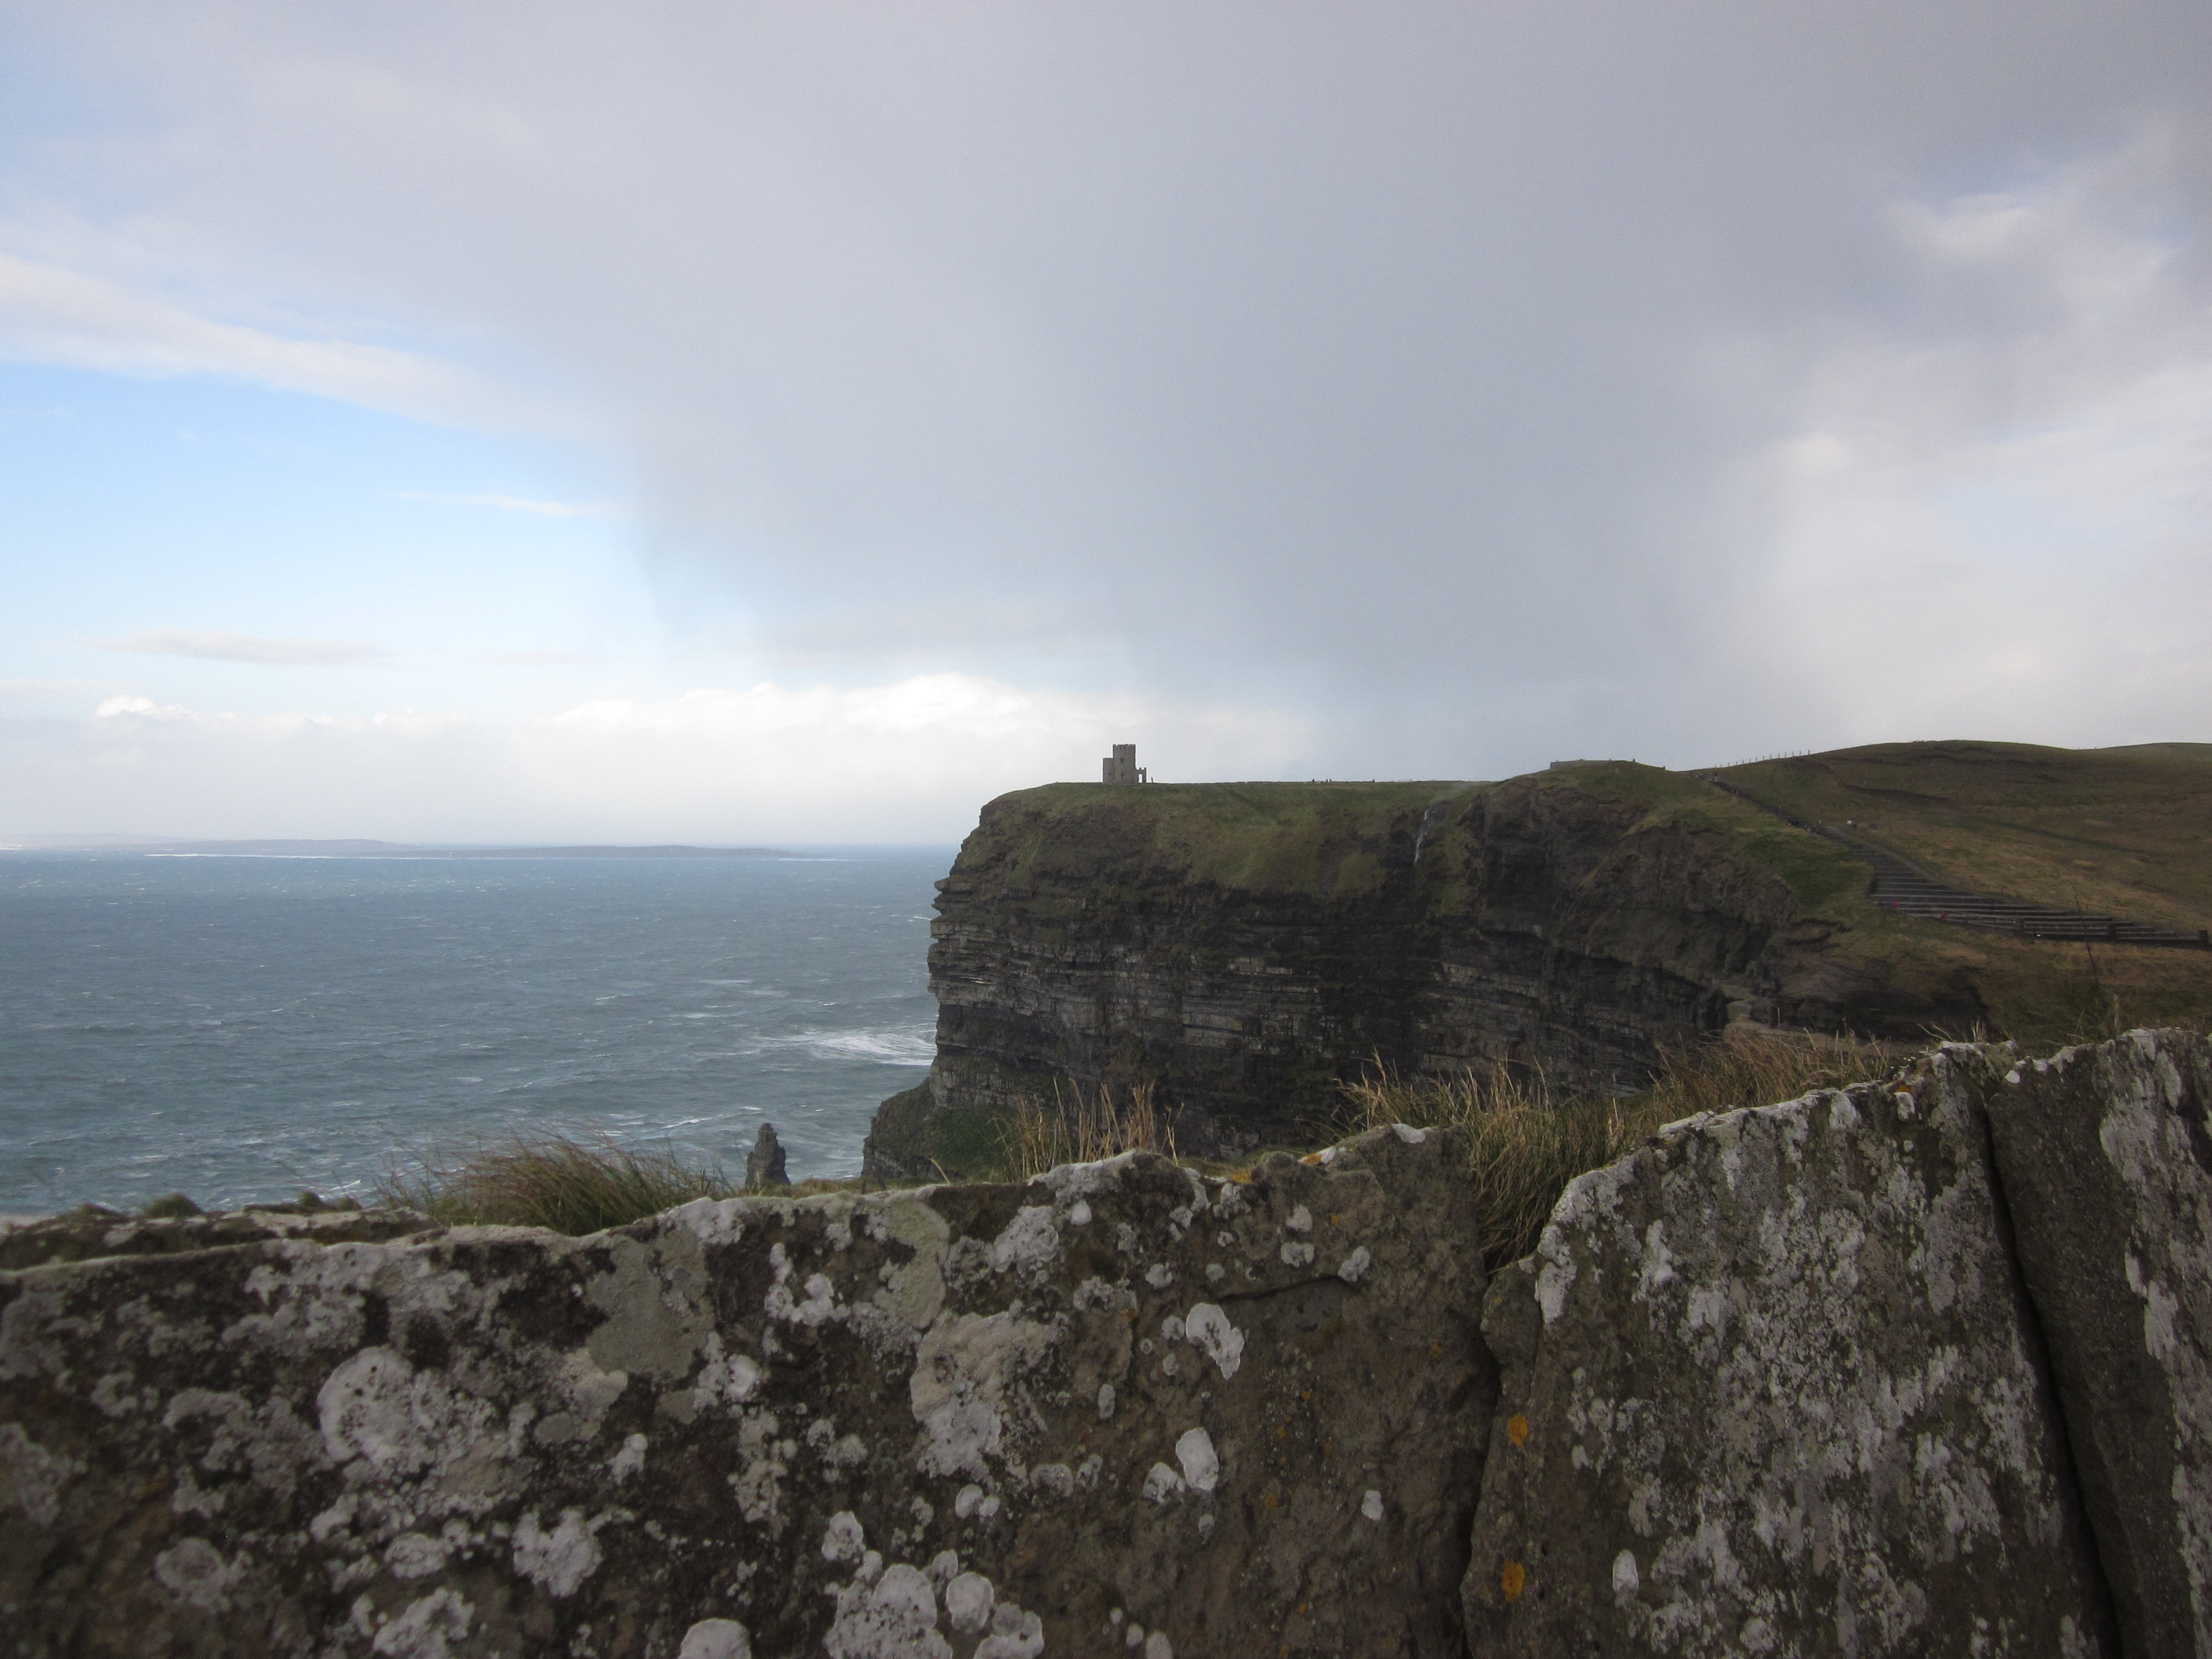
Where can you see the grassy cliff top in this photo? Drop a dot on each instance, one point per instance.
(2119, 831)
(1267, 837)
(2125, 831)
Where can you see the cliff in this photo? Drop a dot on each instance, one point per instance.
(1919, 1366)
(1241, 947)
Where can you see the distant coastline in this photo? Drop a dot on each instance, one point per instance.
(384, 849)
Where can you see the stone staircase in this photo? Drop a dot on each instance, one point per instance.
(1903, 886)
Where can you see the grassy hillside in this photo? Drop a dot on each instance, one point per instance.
(2124, 832)
(2120, 831)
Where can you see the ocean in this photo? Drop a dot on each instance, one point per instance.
(240, 1028)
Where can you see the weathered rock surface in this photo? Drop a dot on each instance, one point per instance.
(2106, 1155)
(83, 1234)
(1244, 947)
(1120, 1410)
(1772, 1386)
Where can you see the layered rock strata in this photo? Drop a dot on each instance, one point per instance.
(1121, 1409)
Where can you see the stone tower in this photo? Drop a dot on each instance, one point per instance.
(1121, 766)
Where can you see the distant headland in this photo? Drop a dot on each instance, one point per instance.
(379, 849)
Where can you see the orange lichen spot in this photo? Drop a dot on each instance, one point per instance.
(1516, 1429)
(1283, 1432)
(1310, 1158)
(1308, 1395)
(1436, 1351)
(1269, 1500)
(1513, 1580)
(1336, 1221)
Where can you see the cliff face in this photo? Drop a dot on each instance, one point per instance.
(1243, 947)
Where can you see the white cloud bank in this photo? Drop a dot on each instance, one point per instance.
(908, 762)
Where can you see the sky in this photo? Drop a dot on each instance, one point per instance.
(752, 421)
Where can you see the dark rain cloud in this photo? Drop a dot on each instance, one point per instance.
(1431, 370)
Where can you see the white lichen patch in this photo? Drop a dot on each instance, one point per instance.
(1162, 1483)
(1029, 1243)
(1202, 1466)
(962, 1373)
(893, 1616)
(429, 1628)
(716, 1638)
(380, 1415)
(1356, 1267)
(843, 1540)
(1208, 1329)
(563, 1557)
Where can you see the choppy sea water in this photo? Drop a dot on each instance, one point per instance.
(240, 1028)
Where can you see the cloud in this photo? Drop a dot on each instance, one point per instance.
(1976, 522)
(516, 504)
(51, 314)
(908, 760)
(245, 647)
(535, 658)
(1483, 384)
(42, 688)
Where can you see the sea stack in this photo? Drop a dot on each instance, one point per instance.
(764, 1164)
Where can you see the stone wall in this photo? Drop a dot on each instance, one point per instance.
(1122, 1409)
(1922, 1366)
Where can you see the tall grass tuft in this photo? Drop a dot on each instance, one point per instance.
(1084, 1129)
(1752, 1066)
(1527, 1141)
(570, 1184)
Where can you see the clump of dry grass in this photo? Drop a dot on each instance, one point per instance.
(1527, 1141)
(1751, 1065)
(1083, 1128)
(568, 1184)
